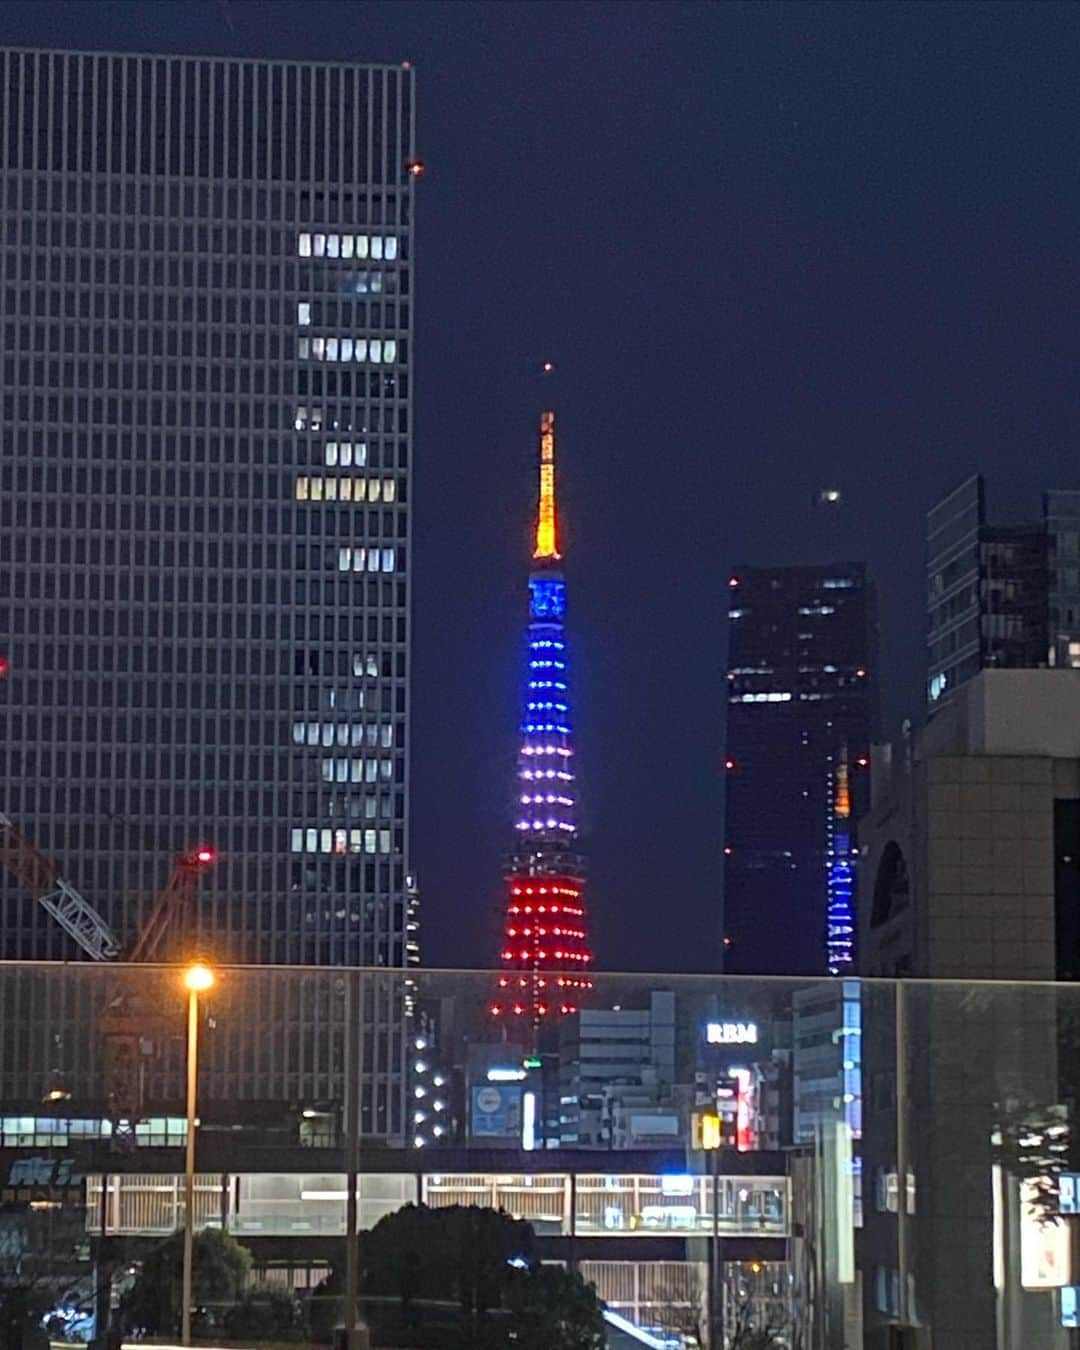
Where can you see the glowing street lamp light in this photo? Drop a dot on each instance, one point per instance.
(198, 978)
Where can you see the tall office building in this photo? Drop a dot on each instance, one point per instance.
(801, 714)
(999, 596)
(204, 519)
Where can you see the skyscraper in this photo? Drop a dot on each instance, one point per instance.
(999, 596)
(204, 519)
(801, 714)
(545, 954)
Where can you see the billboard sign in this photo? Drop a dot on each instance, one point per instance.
(496, 1111)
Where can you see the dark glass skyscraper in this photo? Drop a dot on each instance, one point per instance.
(802, 712)
(999, 595)
(204, 524)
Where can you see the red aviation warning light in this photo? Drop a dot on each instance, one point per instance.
(204, 855)
(415, 168)
(5, 666)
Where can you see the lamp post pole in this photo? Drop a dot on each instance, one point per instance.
(195, 979)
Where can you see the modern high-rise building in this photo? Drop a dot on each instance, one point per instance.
(999, 595)
(204, 493)
(801, 715)
(545, 952)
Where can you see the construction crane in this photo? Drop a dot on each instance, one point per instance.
(127, 1025)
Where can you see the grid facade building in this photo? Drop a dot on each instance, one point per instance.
(801, 715)
(1000, 596)
(204, 522)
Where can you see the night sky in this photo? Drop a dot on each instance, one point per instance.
(772, 248)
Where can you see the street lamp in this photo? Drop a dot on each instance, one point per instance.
(197, 979)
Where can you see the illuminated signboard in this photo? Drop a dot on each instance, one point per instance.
(731, 1033)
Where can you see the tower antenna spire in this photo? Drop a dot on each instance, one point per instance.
(547, 548)
(547, 545)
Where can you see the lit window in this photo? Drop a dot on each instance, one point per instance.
(320, 246)
(346, 485)
(326, 839)
(303, 313)
(361, 246)
(357, 775)
(389, 352)
(305, 246)
(333, 245)
(356, 841)
(346, 454)
(361, 349)
(344, 560)
(303, 348)
(375, 350)
(332, 349)
(374, 490)
(298, 733)
(346, 349)
(376, 246)
(316, 489)
(1074, 654)
(384, 841)
(346, 245)
(390, 248)
(389, 489)
(387, 732)
(297, 841)
(327, 731)
(388, 560)
(301, 489)
(369, 841)
(330, 487)
(341, 842)
(312, 841)
(373, 560)
(331, 453)
(318, 347)
(386, 769)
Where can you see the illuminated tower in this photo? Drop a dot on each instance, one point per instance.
(840, 871)
(545, 953)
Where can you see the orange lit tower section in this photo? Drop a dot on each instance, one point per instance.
(545, 954)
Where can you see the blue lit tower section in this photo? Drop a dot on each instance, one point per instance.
(840, 872)
(545, 954)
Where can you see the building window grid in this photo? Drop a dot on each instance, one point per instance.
(202, 398)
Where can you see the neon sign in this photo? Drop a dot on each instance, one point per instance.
(731, 1033)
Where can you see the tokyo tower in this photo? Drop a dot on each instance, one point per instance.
(545, 954)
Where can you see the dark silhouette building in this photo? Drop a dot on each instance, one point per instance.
(999, 596)
(801, 715)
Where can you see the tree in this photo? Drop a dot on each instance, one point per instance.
(753, 1333)
(460, 1253)
(462, 1278)
(219, 1271)
(263, 1315)
(554, 1309)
